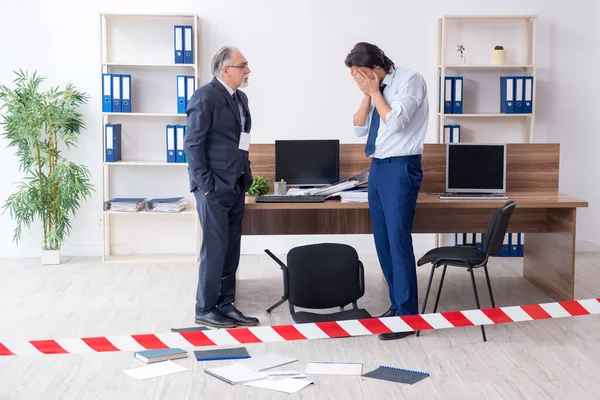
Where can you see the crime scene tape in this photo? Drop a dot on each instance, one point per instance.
(308, 331)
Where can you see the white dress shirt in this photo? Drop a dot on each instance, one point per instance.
(404, 131)
(231, 91)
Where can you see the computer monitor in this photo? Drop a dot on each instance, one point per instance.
(307, 162)
(475, 168)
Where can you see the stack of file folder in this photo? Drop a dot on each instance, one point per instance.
(116, 93)
(452, 94)
(184, 44)
(124, 204)
(516, 94)
(452, 133)
(355, 195)
(341, 186)
(512, 246)
(175, 140)
(166, 205)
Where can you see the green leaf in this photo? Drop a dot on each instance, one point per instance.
(39, 124)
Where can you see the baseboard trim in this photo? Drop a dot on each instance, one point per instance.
(587, 246)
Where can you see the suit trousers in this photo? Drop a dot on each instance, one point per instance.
(394, 185)
(221, 216)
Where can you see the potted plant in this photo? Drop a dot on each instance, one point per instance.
(41, 125)
(259, 186)
(498, 56)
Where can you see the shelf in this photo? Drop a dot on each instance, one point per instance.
(140, 65)
(151, 258)
(158, 16)
(143, 114)
(491, 115)
(486, 67)
(187, 211)
(490, 17)
(145, 164)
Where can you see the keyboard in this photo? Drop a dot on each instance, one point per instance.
(473, 196)
(304, 198)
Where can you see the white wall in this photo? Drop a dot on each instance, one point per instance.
(300, 87)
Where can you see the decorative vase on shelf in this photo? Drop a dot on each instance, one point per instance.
(498, 56)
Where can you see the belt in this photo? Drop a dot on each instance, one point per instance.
(397, 158)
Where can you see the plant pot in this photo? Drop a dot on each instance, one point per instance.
(498, 57)
(50, 257)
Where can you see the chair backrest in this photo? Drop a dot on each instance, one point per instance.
(497, 229)
(324, 275)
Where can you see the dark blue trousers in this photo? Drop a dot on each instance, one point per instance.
(394, 185)
(221, 216)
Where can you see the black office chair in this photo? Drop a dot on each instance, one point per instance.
(321, 276)
(470, 257)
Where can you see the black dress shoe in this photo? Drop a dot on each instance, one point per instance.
(389, 313)
(394, 335)
(215, 319)
(233, 313)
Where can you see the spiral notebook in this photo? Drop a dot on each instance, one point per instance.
(396, 375)
(266, 361)
(333, 368)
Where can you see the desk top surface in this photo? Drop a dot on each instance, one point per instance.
(425, 200)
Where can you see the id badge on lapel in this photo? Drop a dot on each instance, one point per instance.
(244, 141)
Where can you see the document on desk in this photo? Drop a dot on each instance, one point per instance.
(336, 188)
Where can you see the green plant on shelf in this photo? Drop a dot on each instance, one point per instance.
(40, 124)
(259, 186)
(499, 48)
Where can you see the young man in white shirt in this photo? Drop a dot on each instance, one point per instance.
(393, 115)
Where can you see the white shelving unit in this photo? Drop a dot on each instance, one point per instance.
(124, 26)
(489, 31)
(528, 66)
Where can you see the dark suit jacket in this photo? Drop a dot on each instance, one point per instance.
(211, 144)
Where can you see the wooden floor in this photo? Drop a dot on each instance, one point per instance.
(555, 359)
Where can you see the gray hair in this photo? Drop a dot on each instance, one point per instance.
(222, 58)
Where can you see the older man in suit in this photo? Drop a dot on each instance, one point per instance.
(216, 144)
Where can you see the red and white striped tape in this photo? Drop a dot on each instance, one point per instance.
(319, 330)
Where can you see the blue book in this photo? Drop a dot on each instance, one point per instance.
(221, 354)
(151, 356)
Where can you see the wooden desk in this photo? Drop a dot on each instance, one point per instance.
(545, 216)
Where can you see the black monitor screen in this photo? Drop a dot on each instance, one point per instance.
(476, 168)
(307, 162)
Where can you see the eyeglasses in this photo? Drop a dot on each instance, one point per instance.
(241, 66)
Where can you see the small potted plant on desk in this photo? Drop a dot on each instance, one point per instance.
(259, 186)
(40, 125)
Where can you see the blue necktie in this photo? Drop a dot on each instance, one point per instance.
(370, 147)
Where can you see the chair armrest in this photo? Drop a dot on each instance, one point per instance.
(361, 278)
